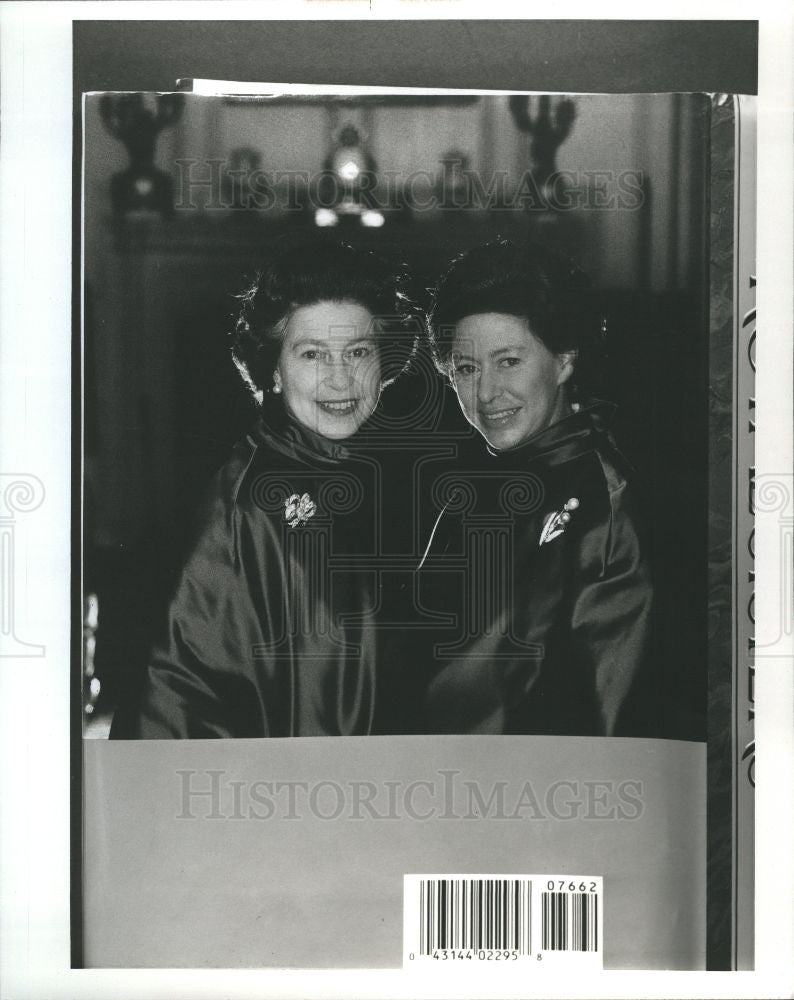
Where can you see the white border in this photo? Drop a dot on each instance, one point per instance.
(774, 696)
(35, 221)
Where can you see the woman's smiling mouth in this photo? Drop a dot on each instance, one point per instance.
(496, 418)
(338, 408)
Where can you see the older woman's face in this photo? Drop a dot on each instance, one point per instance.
(509, 384)
(329, 367)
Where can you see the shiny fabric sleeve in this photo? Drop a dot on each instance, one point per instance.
(612, 611)
(200, 676)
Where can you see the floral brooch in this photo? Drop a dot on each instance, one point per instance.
(298, 509)
(557, 521)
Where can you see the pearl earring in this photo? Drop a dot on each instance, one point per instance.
(276, 383)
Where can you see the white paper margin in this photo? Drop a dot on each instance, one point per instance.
(35, 351)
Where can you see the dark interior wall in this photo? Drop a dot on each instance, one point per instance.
(564, 56)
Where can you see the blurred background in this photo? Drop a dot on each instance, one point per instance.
(185, 195)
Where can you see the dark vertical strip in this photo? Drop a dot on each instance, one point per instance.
(472, 914)
(442, 938)
(499, 887)
(489, 916)
(562, 923)
(720, 835)
(505, 941)
(486, 906)
(480, 914)
(520, 917)
(645, 235)
(76, 555)
(447, 912)
(674, 185)
(517, 916)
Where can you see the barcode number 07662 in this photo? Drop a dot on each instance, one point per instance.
(561, 886)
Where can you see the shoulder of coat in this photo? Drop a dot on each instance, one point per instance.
(225, 490)
(615, 477)
(245, 463)
(595, 476)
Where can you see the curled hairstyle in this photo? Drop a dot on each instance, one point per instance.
(319, 271)
(526, 280)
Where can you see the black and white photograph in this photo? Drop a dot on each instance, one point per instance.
(414, 507)
(403, 420)
(335, 483)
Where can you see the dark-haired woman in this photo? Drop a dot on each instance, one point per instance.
(538, 558)
(271, 629)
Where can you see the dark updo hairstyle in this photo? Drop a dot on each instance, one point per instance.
(308, 272)
(526, 280)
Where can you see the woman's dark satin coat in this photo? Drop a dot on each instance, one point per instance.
(276, 630)
(271, 629)
(550, 638)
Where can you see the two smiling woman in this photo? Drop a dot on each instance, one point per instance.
(264, 638)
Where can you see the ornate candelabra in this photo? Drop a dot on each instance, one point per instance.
(548, 129)
(141, 186)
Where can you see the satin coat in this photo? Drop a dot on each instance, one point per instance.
(271, 630)
(550, 633)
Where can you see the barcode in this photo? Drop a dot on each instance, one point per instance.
(474, 914)
(478, 920)
(570, 921)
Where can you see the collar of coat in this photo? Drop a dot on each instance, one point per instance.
(285, 436)
(566, 438)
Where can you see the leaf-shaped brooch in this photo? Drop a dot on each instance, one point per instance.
(298, 509)
(556, 522)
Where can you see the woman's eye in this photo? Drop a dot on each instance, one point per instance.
(311, 354)
(510, 362)
(360, 352)
(464, 370)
